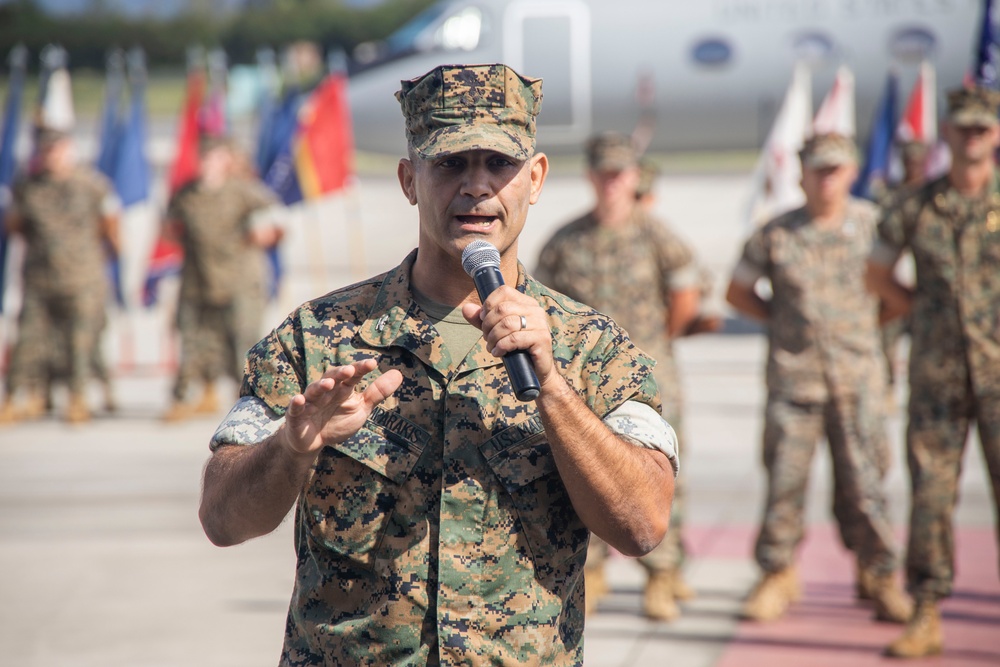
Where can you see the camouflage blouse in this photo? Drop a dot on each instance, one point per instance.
(62, 224)
(440, 533)
(219, 259)
(628, 273)
(955, 320)
(823, 326)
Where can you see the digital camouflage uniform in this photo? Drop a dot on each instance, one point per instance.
(65, 284)
(222, 291)
(825, 376)
(628, 273)
(441, 531)
(954, 360)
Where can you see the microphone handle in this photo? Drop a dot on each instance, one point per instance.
(518, 363)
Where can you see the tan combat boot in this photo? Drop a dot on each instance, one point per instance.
(863, 583)
(658, 601)
(682, 591)
(177, 412)
(209, 403)
(9, 414)
(77, 411)
(922, 636)
(35, 406)
(595, 587)
(772, 595)
(891, 603)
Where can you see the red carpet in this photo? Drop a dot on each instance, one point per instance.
(829, 629)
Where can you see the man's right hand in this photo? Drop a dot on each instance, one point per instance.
(330, 411)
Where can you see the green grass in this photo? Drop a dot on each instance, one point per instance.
(164, 96)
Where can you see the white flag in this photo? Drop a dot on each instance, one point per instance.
(57, 106)
(778, 173)
(836, 114)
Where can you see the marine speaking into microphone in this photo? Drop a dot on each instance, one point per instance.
(481, 260)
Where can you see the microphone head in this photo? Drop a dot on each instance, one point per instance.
(479, 254)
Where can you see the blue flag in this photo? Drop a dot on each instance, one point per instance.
(8, 139)
(131, 171)
(986, 69)
(875, 172)
(111, 115)
(276, 160)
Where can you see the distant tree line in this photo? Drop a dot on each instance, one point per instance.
(89, 37)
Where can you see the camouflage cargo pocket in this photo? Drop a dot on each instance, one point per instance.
(554, 532)
(354, 490)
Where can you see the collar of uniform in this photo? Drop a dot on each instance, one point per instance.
(395, 320)
(946, 198)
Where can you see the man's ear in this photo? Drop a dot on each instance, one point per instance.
(404, 171)
(539, 170)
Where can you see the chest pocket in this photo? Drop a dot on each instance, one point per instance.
(350, 501)
(552, 528)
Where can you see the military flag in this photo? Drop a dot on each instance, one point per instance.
(55, 108)
(185, 165)
(312, 143)
(114, 84)
(874, 174)
(324, 147)
(8, 140)
(778, 172)
(836, 113)
(131, 170)
(986, 66)
(166, 257)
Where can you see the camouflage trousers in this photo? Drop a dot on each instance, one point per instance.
(935, 441)
(670, 553)
(215, 339)
(58, 335)
(855, 430)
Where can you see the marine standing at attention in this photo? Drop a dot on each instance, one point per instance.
(825, 377)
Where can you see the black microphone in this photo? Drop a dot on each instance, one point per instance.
(481, 260)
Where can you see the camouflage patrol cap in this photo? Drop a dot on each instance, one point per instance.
(828, 150)
(976, 106)
(455, 108)
(611, 151)
(913, 149)
(47, 137)
(209, 142)
(648, 172)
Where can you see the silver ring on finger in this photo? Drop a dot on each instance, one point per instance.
(524, 322)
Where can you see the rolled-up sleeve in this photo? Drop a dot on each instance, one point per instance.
(249, 422)
(643, 426)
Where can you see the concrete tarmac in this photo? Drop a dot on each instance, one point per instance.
(103, 562)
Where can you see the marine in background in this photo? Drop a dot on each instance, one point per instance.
(223, 220)
(68, 215)
(622, 262)
(825, 379)
(951, 226)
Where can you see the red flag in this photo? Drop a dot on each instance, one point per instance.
(324, 147)
(919, 122)
(185, 165)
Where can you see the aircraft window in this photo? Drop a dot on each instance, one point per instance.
(404, 40)
(712, 52)
(440, 27)
(462, 30)
(912, 44)
(814, 46)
